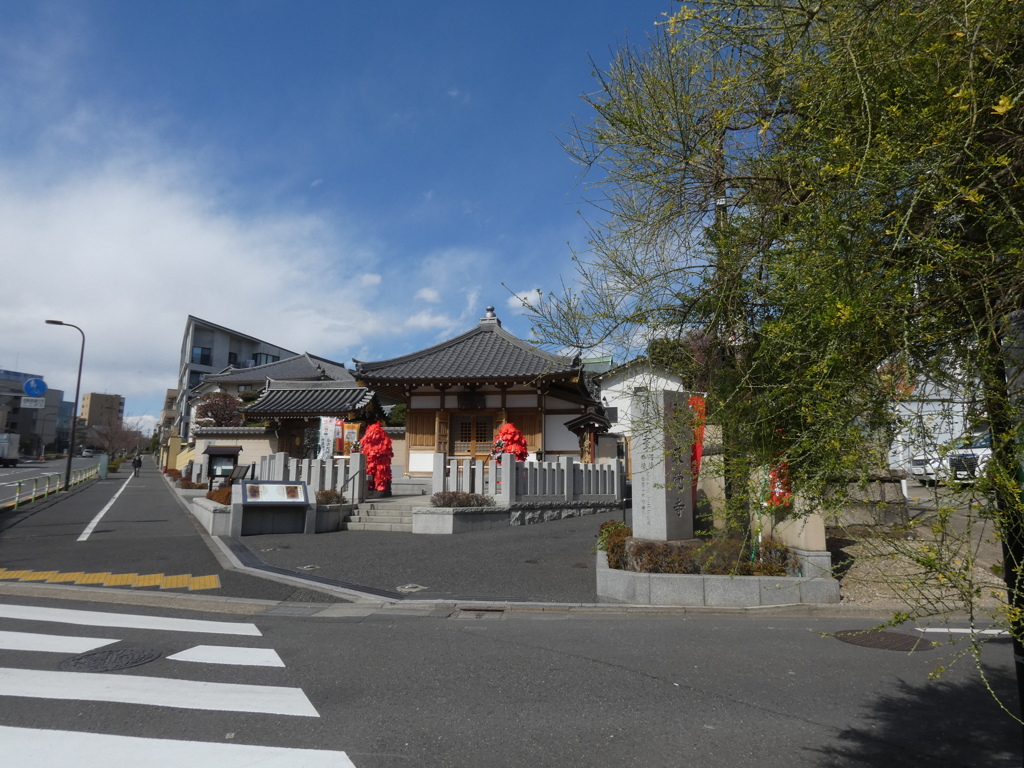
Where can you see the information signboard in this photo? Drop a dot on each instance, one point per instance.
(274, 492)
(33, 402)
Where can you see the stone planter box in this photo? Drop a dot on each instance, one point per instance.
(615, 586)
(329, 517)
(465, 519)
(214, 517)
(435, 520)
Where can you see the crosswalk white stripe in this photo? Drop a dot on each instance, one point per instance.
(125, 620)
(32, 641)
(155, 691)
(223, 654)
(67, 749)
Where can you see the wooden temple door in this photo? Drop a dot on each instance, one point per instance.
(473, 435)
(441, 443)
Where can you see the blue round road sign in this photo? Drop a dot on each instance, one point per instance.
(34, 387)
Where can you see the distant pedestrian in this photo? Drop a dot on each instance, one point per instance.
(137, 464)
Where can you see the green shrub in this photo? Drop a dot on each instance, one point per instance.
(611, 537)
(718, 556)
(113, 466)
(773, 559)
(327, 496)
(460, 499)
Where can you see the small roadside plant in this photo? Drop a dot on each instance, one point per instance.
(611, 537)
(460, 499)
(326, 496)
(220, 495)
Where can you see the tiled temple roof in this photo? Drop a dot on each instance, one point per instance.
(309, 398)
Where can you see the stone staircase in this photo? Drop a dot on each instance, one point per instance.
(391, 514)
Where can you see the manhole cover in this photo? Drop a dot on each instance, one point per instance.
(886, 641)
(407, 588)
(110, 661)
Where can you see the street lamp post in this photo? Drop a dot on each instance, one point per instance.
(74, 410)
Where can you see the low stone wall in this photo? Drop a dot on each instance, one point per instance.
(446, 520)
(615, 586)
(214, 517)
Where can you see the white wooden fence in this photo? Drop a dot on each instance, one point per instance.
(562, 480)
(347, 476)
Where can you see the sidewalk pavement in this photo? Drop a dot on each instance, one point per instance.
(149, 530)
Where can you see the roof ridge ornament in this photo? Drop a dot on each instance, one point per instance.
(490, 318)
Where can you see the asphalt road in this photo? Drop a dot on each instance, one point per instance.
(25, 472)
(382, 685)
(397, 689)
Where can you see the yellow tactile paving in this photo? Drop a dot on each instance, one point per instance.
(204, 582)
(121, 580)
(59, 578)
(176, 582)
(94, 578)
(180, 581)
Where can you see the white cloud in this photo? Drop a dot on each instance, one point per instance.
(369, 280)
(516, 302)
(429, 294)
(430, 321)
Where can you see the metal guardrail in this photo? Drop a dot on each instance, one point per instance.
(41, 486)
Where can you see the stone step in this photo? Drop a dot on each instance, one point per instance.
(404, 519)
(392, 527)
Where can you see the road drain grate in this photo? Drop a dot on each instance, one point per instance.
(480, 613)
(886, 641)
(110, 661)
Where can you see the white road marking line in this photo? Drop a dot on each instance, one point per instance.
(67, 749)
(155, 691)
(952, 631)
(99, 515)
(126, 620)
(31, 641)
(225, 654)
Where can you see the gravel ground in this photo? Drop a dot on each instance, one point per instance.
(882, 576)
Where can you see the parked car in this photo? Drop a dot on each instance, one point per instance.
(87, 453)
(967, 463)
(963, 462)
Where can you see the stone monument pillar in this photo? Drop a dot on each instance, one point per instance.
(662, 473)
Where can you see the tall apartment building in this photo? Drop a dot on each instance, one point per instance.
(210, 348)
(100, 409)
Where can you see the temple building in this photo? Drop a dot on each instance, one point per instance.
(460, 393)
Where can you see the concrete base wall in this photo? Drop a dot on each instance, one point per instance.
(614, 586)
(214, 517)
(444, 520)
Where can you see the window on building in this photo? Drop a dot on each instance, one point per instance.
(232, 358)
(202, 356)
(262, 358)
(194, 377)
(244, 387)
(473, 435)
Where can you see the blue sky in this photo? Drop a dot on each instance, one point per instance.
(346, 178)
